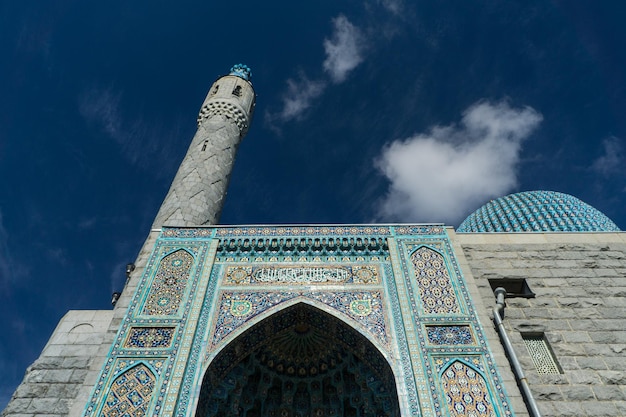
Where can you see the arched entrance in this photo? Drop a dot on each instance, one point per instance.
(299, 362)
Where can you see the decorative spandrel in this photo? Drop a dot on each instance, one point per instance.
(130, 393)
(169, 284)
(433, 280)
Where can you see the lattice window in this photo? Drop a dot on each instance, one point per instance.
(542, 355)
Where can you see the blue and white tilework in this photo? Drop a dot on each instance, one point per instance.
(232, 290)
(537, 211)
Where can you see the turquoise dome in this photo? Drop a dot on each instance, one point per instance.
(537, 211)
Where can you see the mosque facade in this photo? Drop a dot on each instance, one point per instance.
(519, 312)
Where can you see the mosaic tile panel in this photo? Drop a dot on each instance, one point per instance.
(466, 392)
(433, 279)
(450, 335)
(236, 308)
(300, 274)
(169, 284)
(480, 359)
(366, 307)
(261, 256)
(149, 337)
(130, 393)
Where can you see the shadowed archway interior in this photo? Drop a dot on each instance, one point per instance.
(299, 362)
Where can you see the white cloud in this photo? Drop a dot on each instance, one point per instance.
(344, 50)
(394, 6)
(613, 160)
(445, 174)
(298, 98)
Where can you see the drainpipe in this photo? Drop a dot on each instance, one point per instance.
(498, 313)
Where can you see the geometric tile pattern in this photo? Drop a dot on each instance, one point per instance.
(130, 393)
(434, 282)
(169, 284)
(535, 211)
(149, 337)
(450, 335)
(466, 392)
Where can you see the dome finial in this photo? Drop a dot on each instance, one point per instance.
(241, 71)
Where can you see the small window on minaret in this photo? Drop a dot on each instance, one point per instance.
(215, 89)
(204, 145)
(237, 91)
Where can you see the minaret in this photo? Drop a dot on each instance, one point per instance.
(197, 193)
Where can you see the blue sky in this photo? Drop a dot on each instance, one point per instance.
(367, 111)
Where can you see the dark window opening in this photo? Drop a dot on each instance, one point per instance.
(237, 91)
(515, 287)
(204, 145)
(215, 89)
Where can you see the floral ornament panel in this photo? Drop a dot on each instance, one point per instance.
(450, 335)
(435, 285)
(466, 392)
(169, 284)
(130, 393)
(236, 308)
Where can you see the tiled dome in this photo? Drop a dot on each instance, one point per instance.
(537, 211)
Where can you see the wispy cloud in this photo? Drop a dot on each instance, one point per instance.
(394, 6)
(297, 99)
(138, 140)
(101, 106)
(344, 50)
(613, 160)
(10, 269)
(5, 258)
(448, 172)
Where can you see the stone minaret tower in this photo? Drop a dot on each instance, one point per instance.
(197, 193)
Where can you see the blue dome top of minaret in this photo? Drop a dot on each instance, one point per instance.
(537, 211)
(241, 71)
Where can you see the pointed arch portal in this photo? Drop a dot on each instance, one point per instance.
(299, 362)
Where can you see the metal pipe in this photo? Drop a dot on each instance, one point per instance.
(498, 313)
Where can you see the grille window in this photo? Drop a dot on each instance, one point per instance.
(541, 353)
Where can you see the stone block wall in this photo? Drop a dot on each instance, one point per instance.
(52, 382)
(580, 306)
